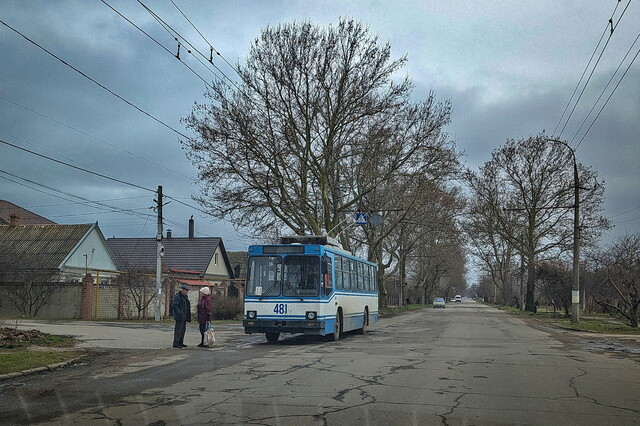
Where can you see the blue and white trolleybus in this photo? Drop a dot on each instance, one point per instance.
(308, 284)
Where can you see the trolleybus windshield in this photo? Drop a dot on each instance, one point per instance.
(293, 276)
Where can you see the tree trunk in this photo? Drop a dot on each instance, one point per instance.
(531, 282)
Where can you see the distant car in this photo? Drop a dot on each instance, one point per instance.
(458, 298)
(438, 302)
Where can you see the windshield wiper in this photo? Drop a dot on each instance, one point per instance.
(275, 283)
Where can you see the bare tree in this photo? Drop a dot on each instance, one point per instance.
(617, 271)
(29, 285)
(316, 124)
(527, 188)
(494, 254)
(555, 282)
(138, 287)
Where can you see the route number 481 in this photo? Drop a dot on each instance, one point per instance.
(280, 308)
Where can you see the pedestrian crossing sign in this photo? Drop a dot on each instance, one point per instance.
(361, 218)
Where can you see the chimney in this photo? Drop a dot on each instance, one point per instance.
(168, 233)
(191, 227)
(14, 219)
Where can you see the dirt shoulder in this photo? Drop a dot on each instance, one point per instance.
(621, 345)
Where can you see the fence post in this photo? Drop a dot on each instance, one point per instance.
(87, 297)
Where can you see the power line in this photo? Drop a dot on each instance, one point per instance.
(95, 138)
(625, 212)
(609, 24)
(607, 101)
(100, 175)
(93, 213)
(42, 148)
(628, 220)
(604, 89)
(580, 80)
(84, 203)
(76, 167)
(109, 208)
(94, 81)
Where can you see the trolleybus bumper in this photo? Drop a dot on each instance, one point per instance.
(283, 326)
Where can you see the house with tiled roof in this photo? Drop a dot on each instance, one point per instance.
(195, 261)
(69, 252)
(238, 261)
(12, 214)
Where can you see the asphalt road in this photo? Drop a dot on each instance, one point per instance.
(468, 364)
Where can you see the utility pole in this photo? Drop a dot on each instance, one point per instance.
(575, 287)
(575, 291)
(159, 256)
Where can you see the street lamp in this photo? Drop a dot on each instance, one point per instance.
(575, 290)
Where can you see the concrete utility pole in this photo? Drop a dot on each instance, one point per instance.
(575, 289)
(159, 256)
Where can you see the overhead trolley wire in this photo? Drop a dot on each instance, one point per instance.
(580, 80)
(175, 34)
(586, 68)
(95, 81)
(612, 30)
(157, 42)
(194, 27)
(213, 49)
(604, 90)
(610, 95)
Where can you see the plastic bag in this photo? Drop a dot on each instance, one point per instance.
(209, 336)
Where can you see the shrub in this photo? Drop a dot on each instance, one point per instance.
(227, 309)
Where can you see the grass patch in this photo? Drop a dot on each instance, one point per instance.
(600, 324)
(15, 360)
(26, 349)
(392, 311)
(595, 325)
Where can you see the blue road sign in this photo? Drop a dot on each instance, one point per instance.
(361, 218)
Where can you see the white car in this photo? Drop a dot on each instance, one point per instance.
(457, 299)
(438, 302)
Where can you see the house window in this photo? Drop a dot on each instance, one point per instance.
(215, 259)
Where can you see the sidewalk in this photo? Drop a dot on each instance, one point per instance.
(120, 335)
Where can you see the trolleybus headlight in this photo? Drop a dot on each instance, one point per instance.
(251, 314)
(311, 315)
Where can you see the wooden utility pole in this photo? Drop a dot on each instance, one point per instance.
(159, 256)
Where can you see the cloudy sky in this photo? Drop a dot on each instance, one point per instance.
(508, 67)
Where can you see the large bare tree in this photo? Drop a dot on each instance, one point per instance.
(318, 121)
(617, 274)
(527, 189)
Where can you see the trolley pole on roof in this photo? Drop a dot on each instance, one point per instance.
(159, 257)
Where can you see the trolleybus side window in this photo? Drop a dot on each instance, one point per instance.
(346, 273)
(338, 266)
(327, 276)
(374, 279)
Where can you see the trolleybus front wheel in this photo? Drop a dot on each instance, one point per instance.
(336, 329)
(272, 337)
(363, 330)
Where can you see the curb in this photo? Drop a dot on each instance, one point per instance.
(39, 369)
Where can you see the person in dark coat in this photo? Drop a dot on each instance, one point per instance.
(181, 310)
(205, 310)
